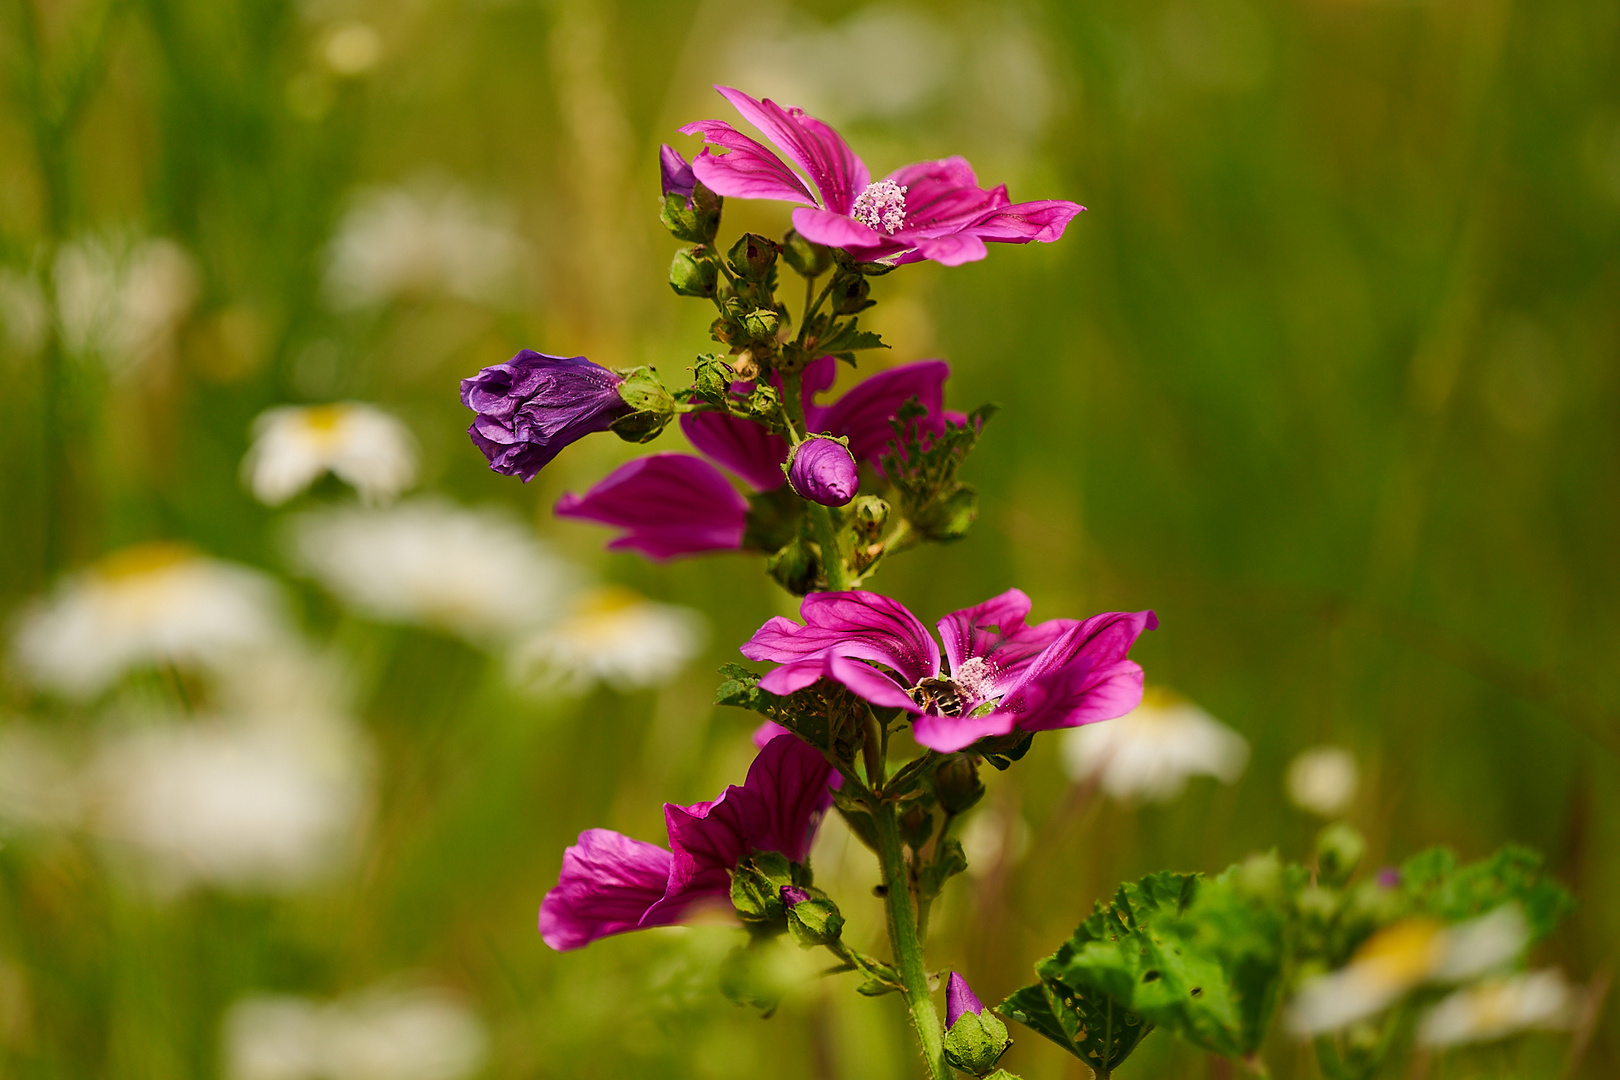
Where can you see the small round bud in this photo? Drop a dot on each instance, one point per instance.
(974, 1038)
(957, 784)
(693, 273)
(823, 471)
(812, 920)
(761, 324)
(794, 567)
(849, 295)
(808, 259)
(752, 256)
(651, 403)
(1339, 849)
(711, 379)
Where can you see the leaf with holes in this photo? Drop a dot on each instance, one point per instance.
(1092, 1027)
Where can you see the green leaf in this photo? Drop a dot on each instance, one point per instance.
(848, 338)
(1091, 1026)
(1439, 887)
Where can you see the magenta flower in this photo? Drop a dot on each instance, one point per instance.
(675, 175)
(930, 210)
(959, 999)
(678, 504)
(824, 472)
(533, 405)
(611, 883)
(1000, 674)
(668, 505)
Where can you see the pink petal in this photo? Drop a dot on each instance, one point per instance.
(859, 625)
(669, 504)
(743, 446)
(948, 250)
(1077, 694)
(811, 144)
(608, 885)
(948, 734)
(748, 170)
(863, 414)
(1023, 223)
(834, 230)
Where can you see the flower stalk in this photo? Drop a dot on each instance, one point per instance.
(899, 903)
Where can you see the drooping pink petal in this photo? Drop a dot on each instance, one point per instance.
(669, 504)
(777, 808)
(865, 682)
(859, 625)
(834, 230)
(743, 446)
(811, 144)
(864, 412)
(1080, 693)
(948, 734)
(1042, 221)
(747, 170)
(608, 884)
(952, 250)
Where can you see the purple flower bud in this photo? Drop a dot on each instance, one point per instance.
(960, 998)
(533, 405)
(676, 174)
(823, 471)
(793, 895)
(1389, 877)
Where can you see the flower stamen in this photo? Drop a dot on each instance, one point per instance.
(881, 207)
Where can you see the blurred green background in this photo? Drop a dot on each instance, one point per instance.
(1326, 375)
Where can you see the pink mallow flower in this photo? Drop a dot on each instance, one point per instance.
(678, 504)
(1000, 674)
(610, 883)
(931, 210)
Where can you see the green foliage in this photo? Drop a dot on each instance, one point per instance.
(1436, 885)
(976, 1042)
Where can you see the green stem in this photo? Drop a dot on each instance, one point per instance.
(908, 951)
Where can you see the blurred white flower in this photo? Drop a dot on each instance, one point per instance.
(425, 240)
(1495, 1008)
(1151, 751)
(612, 635)
(231, 802)
(1399, 958)
(123, 301)
(360, 444)
(379, 1035)
(351, 48)
(477, 573)
(1323, 780)
(39, 788)
(148, 604)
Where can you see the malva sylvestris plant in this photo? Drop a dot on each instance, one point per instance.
(832, 490)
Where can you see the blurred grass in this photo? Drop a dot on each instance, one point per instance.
(1326, 375)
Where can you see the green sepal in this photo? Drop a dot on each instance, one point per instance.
(711, 379)
(1002, 750)
(957, 784)
(752, 256)
(756, 886)
(816, 921)
(692, 272)
(807, 258)
(694, 220)
(976, 1042)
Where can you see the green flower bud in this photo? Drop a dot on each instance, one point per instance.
(795, 567)
(957, 783)
(812, 919)
(761, 324)
(1339, 849)
(694, 220)
(870, 514)
(693, 273)
(976, 1037)
(711, 379)
(916, 826)
(808, 259)
(756, 886)
(752, 256)
(849, 295)
(654, 407)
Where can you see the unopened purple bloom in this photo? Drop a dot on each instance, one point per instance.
(611, 883)
(1389, 877)
(674, 173)
(931, 210)
(998, 674)
(668, 505)
(792, 894)
(533, 405)
(960, 998)
(824, 472)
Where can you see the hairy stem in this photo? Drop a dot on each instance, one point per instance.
(908, 950)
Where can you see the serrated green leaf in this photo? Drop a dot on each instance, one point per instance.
(849, 338)
(1090, 1026)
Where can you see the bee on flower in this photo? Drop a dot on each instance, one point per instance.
(362, 445)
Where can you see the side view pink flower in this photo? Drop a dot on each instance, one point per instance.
(1000, 674)
(611, 883)
(931, 210)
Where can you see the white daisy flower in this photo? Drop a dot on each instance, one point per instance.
(1323, 780)
(149, 604)
(378, 1035)
(1151, 751)
(1401, 957)
(247, 805)
(362, 445)
(427, 239)
(123, 300)
(1495, 1008)
(477, 573)
(612, 635)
